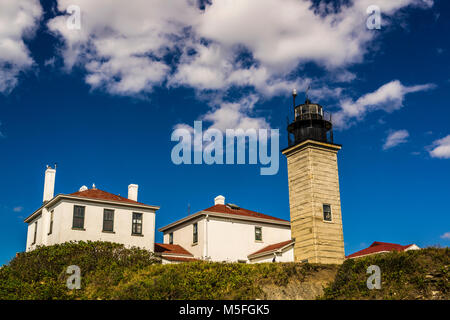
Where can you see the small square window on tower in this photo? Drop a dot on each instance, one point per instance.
(327, 212)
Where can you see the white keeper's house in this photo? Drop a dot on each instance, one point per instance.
(91, 214)
(226, 232)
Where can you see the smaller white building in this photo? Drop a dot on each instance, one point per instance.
(91, 214)
(382, 247)
(228, 233)
(173, 253)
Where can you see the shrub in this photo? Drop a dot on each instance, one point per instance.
(415, 274)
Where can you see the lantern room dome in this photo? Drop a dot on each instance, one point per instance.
(311, 122)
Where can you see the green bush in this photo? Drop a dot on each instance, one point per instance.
(41, 273)
(415, 274)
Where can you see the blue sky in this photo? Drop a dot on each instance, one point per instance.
(104, 100)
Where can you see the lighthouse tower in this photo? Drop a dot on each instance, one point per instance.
(314, 198)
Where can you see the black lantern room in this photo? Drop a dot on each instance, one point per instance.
(310, 122)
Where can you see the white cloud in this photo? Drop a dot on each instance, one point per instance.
(441, 148)
(344, 76)
(18, 20)
(123, 47)
(446, 236)
(389, 97)
(18, 209)
(236, 115)
(395, 138)
(279, 36)
(231, 115)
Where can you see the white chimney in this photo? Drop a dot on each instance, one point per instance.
(219, 200)
(49, 183)
(133, 192)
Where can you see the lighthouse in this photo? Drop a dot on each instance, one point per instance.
(314, 197)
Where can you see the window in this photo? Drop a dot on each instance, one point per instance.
(171, 238)
(258, 233)
(108, 220)
(78, 217)
(50, 228)
(195, 233)
(35, 232)
(137, 223)
(326, 212)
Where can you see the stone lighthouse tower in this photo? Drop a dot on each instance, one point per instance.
(314, 198)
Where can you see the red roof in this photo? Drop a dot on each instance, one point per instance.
(378, 247)
(272, 247)
(180, 259)
(174, 249)
(103, 195)
(222, 208)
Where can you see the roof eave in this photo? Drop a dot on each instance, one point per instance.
(223, 215)
(185, 219)
(368, 254)
(265, 253)
(65, 196)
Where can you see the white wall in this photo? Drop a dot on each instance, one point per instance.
(93, 225)
(286, 256)
(30, 232)
(183, 236)
(233, 240)
(227, 239)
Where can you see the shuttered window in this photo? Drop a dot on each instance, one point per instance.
(78, 217)
(108, 220)
(258, 233)
(50, 229)
(195, 233)
(137, 223)
(35, 232)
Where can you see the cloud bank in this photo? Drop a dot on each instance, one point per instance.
(127, 49)
(18, 20)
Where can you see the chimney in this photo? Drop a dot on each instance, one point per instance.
(49, 183)
(219, 200)
(133, 192)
